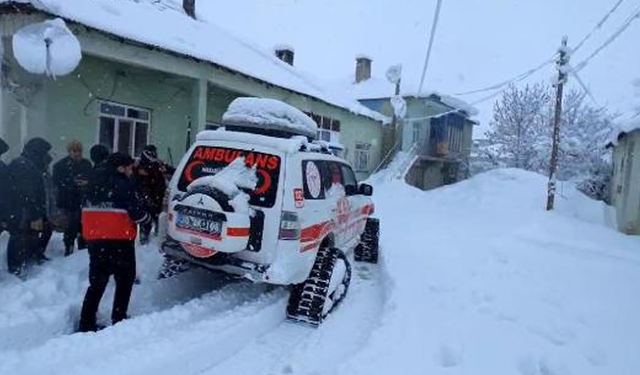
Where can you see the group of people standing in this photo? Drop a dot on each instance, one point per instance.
(99, 204)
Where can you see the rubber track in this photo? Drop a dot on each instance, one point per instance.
(367, 249)
(307, 300)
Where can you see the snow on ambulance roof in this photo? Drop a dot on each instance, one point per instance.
(285, 145)
(376, 88)
(163, 24)
(269, 114)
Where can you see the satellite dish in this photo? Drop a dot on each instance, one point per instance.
(47, 47)
(394, 74)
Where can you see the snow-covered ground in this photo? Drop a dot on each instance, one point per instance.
(476, 279)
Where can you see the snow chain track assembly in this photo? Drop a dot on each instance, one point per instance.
(367, 249)
(307, 300)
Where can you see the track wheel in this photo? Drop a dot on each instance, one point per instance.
(367, 249)
(326, 286)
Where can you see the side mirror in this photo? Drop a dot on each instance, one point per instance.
(350, 190)
(366, 190)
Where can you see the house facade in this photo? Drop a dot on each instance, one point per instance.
(625, 185)
(140, 84)
(436, 127)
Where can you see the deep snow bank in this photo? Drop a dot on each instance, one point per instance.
(476, 278)
(487, 282)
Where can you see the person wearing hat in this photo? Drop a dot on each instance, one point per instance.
(28, 182)
(110, 219)
(4, 191)
(98, 154)
(71, 177)
(150, 176)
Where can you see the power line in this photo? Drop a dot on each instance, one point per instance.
(584, 87)
(436, 17)
(522, 76)
(598, 25)
(611, 39)
(515, 79)
(458, 110)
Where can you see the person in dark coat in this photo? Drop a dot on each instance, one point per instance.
(150, 175)
(4, 188)
(110, 221)
(29, 184)
(98, 154)
(71, 177)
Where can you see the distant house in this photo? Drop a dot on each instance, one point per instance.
(151, 73)
(437, 127)
(625, 186)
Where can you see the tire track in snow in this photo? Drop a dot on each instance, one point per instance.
(177, 327)
(300, 349)
(183, 339)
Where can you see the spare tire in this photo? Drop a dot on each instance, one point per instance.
(221, 198)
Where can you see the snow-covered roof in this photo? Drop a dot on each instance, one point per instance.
(377, 88)
(285, 145)
(622, 129)
(269, 114)
(163, 24)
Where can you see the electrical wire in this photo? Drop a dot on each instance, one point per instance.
(598, 25)
(583, 85)
(610, 40)
(522, 76)
(518, 78)
(436, 17)
(458, 110)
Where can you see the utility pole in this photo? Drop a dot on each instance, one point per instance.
(395, 124)
(561, 63)
(394, 76)
(432, 36)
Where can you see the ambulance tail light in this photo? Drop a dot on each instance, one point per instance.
(289, 226)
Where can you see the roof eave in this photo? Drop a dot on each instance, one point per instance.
(430, 96)
(12, 7)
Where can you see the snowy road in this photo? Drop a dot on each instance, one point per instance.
(476, 279)
(179, 325)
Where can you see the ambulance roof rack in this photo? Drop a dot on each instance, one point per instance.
(323, 147)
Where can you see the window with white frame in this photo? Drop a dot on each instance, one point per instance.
(124, 128)
(362, 156)
(328, 128)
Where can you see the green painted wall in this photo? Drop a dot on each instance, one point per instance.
(67, 108)
(72, 111)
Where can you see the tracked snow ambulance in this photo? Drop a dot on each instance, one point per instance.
(261, 199)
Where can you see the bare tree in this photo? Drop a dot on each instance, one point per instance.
(521, 132)
(515, 129)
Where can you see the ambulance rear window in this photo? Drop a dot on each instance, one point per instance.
(207, 161)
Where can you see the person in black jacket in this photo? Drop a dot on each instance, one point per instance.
(4, 190)
(28, 183)
(71, 177)
(110, 221)
(149, 172)
(98, 154)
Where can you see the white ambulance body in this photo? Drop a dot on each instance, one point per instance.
(305, 214)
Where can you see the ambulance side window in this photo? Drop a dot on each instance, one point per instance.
(312, 179)
(331, 176)
(350, 181)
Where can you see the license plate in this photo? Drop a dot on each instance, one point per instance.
(198, 224)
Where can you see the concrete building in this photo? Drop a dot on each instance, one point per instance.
(438, 128)
(625, 186)
(151, 73)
